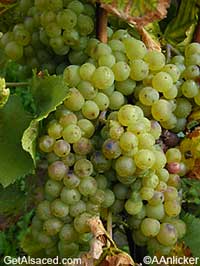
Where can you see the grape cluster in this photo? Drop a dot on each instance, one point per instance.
(102, 151)
(49, 31)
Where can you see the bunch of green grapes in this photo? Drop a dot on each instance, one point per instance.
(49, 31)
(102, 151)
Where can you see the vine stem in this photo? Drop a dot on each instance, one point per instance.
(109, 223)
(16, 84)
(102, 22)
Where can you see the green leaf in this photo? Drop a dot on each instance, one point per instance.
(180, 30)
(192, 237)
(14, 161)
(12, 200)
(48, 93)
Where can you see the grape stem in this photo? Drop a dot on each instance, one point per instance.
(16, 84)
(102, 21)
(109, 223)
(169, 50)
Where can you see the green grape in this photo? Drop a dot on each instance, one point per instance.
(160, 159)
(71, 37)
(71, 180)
(121, 71)
(139, 69)
(117, 207)
(125, 166)
(172, 208)
(44, 240)
(88, 186)
(52, 226)
(86, 71)
(100, 163)
(109, 198)
(180, 227)
(67, 118)
(116, 130)
(59, 208)
(101, 181)
(61, 148)
(121, 191)
(102, 101)
(55, 5)
(22, 37)
(76, 6)
(87, 128)
(192, 48)
(53, 188)
(99, 195)
(111, 149)
(13, 50)
(126, 87)
(92, 208)
(140, 126)
(68, 250)
(150, 180)
(161, 110)
(135, 49)
(163, 174)
(150, 227)
(183, 108)
(81, 222)
(77, 208)
(85, 24)
(51, 252)
(174, 180)
(90, 110)
(53, 30)
(173, 155)
(69, 160)
(106, 60)
(191, 72)
(83, 168)
(162, 186)
(83, 146)
(71, 75)
(162, 81)
(116, 45)
(128, 141)
(74, 100)
(197, 98)
(47, 17)
(46, 143)
(77, 57)
(116, 100)
(68, 234)
(148, 96)
(71, 133)
(146, 141)
(133, 207)
(87, 90)
(56, 43)
(158, 198)
(173, 71)
(70, 196)
(167, 235)
(156, 212)
(57, 170)
(54, 129)
(172, 93)
(102, 49)
(120, 56)
(66, 19)
(103, 78)
(43, 210)
(144, 159)
(155, 59)
(129, 114)
(189, 88)
(146, 193)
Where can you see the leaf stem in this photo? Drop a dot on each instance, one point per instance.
(102, 21)
(16, 84)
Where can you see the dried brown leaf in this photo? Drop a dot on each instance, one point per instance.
(120, 259)
(159, 13)
(150, 43)
(195, 172)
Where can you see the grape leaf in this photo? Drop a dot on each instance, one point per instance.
(180, 30)
(14, 161)
(192, 237)
(138, 12)
(48, 92)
